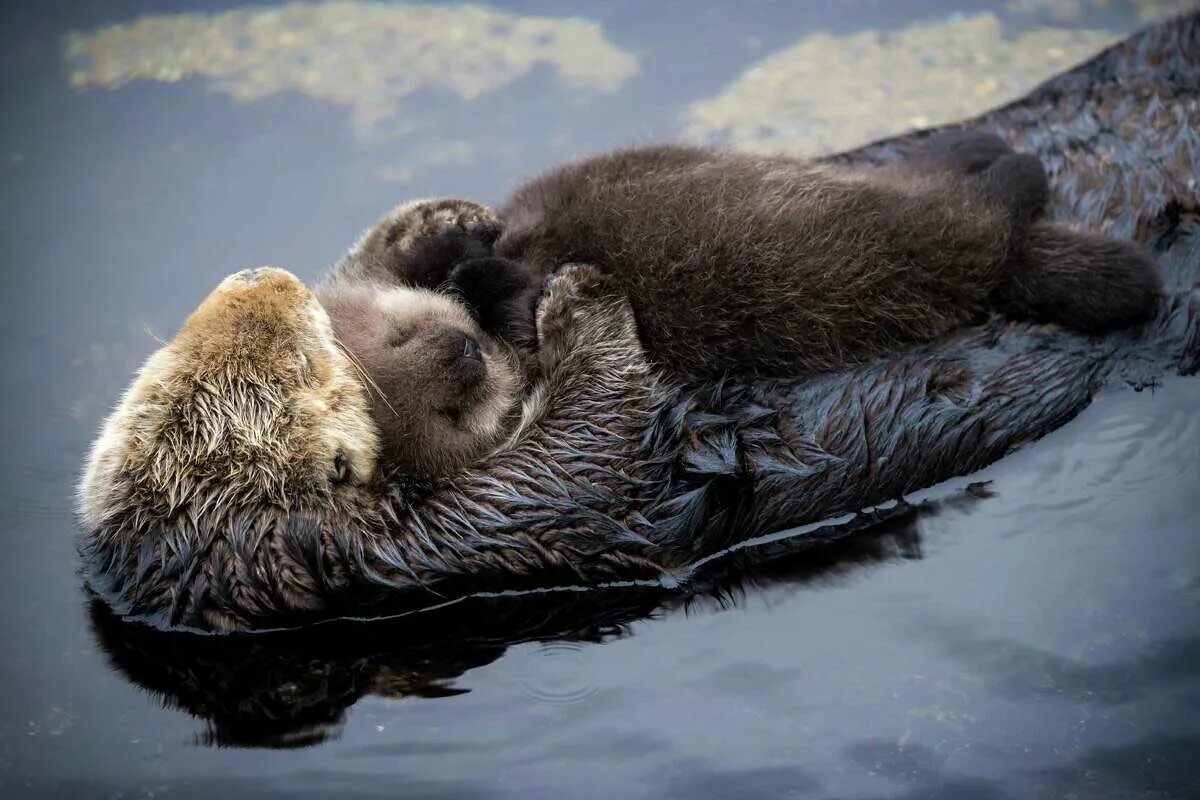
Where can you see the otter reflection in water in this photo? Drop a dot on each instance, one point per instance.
(292, 688)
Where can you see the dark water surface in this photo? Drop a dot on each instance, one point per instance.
(1038, 638)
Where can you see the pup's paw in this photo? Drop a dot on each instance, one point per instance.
(501, 294)
(425, 219)
(420, 243)
(482, 282)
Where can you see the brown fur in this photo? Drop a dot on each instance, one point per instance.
(738, 263)
(771, 264)
(247, 441)
(450, 387)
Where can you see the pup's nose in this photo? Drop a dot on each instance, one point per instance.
(470, 349)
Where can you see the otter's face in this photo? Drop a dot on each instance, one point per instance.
(252, 406)
(444, 391)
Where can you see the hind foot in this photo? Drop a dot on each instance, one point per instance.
(1082, 280)
(430, 237)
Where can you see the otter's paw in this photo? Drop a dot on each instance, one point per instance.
(583, 304)
(424, 240)
(501, 294)
(483, 282)
(425, 219)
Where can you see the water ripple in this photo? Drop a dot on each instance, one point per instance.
(557, 673)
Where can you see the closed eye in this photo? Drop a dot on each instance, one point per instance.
(306, 373)
(399, 338)
(340, 471)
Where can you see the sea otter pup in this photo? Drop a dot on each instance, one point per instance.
(734, 264)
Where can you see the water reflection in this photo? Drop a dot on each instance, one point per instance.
(826, 91)
(291, 689)
(370, 57)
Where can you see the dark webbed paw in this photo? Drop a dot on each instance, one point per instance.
(432, 260)
(501, 294)
(446, 245)
(419, 243)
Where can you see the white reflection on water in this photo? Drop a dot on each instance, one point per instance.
(828, 92)
(367, 56)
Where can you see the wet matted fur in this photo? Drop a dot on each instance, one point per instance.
(617, 472)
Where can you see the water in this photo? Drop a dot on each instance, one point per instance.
(1039, 637)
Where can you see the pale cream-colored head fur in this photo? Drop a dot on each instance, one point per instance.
(253, 401)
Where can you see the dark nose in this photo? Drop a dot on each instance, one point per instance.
(470, 349)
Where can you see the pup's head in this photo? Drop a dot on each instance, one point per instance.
(443, 390)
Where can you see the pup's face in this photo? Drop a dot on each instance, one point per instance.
(253, 405)
(443, 391)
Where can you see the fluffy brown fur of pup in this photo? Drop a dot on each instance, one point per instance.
(770, 264)
(1085, 281)
(443, 389)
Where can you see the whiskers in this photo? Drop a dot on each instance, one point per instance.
(362, 373)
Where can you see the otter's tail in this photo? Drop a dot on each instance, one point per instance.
(1085, 281)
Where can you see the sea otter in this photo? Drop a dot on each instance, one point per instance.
(237, 483)
(735, 264)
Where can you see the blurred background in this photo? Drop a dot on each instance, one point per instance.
(147, 149)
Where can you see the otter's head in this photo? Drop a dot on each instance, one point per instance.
(248, 432)
(444, 391)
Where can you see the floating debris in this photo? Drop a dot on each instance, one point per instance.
(1061, 10)
(1151, 10)
(829, 92)
(369, 57)
(1076, 10)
